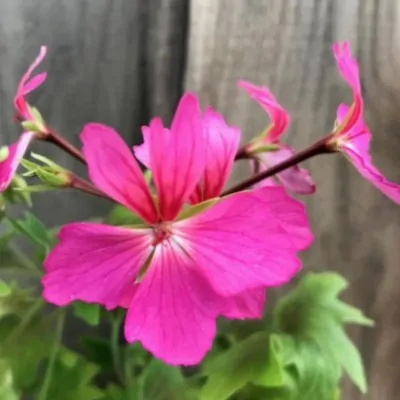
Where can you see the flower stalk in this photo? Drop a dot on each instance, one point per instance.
(319, 147)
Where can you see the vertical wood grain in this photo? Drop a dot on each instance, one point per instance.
(286, 45)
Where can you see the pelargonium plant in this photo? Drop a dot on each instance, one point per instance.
(180, 268)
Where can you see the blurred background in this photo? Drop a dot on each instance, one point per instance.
(120, 62)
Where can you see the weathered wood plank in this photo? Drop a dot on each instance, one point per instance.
(286, 45)
(116, 62)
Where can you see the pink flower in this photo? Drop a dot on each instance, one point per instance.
(352, 136)
(26, 85)
(296, 179)
(175, 276)
(10, 157)
(222, 142)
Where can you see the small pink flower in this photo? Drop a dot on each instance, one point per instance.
(10, 158)
(26, 85)
(352, 136)
(175, 276)
(296, 179)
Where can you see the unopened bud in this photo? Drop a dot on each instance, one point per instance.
(51, 174)
(4, 153)
(37, 123)
(17, 192)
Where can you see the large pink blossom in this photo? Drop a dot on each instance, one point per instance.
(174, 275)
(352, 136)
(296, 179)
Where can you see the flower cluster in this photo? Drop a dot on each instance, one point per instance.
(198, 254)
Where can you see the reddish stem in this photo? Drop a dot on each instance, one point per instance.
(319, 147)
(242, 154)
(81, 184)
(59, 141)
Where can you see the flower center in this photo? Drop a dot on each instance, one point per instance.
(161, 232)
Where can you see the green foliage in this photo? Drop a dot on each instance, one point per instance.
(5, 289)
(243, 363)
(7, 390)
(163, 382)
(72, 379)
(90, 313)
(14, 301)
(302, 357)
(34, 230)
(312, 315)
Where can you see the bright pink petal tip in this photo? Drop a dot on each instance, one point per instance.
(247, 305)
(27, 84)
(177, 156)
(245, 240)
(356, 146)
(12, 158)
(95, 263)
(279, 116)
(222, 144)
(296, 179)
(174, 310)
(113, 169)
(349, 70)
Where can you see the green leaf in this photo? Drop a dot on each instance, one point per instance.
(114, 392)
(15, 302)
(163, 382)
(90, 313)
(272, 374)
(246, 361)
(120, 215)
(72, 380)
(33, 229)
(311, 320)
(5, 289)
(98, 351)
(31, 345)
(7, 390)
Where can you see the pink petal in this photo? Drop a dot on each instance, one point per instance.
(142, 151)
(16, 152)
(222, 145)
(241, 243)
(177, 157)
(28, 84)
(114, 170)
(356, 146)
(296, 179)
(348, 68)
(279, 116)
(94, 263)
(292, 216)
(247, 305)
(174, 310)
